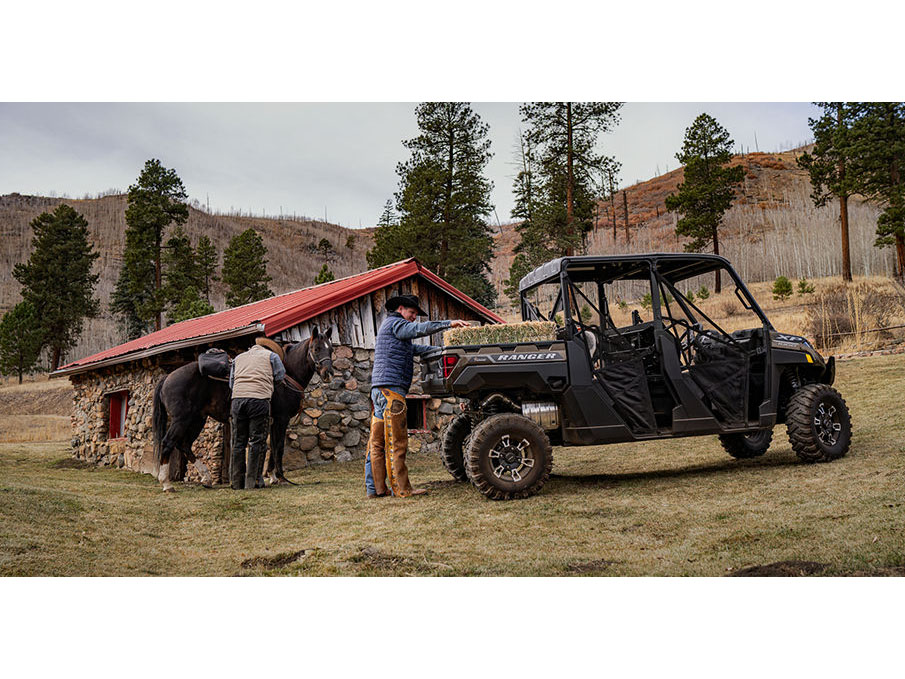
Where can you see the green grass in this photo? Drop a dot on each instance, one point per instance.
(681, 507)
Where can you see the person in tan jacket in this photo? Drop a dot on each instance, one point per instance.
(251, 378)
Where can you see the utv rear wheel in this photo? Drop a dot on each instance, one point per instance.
(452, 448)
(745, 446)
(508, 457)
(819, 424)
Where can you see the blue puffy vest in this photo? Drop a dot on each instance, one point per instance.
(394, 362)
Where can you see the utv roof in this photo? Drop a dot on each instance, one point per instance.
(673, 265)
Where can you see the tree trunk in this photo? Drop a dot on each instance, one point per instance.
(900, 254)
(846, 258)
(157, 319)
(570, 178)
(843, 211)
(55, 358)
(718, 286)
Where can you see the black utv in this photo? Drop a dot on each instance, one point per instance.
(611, 375)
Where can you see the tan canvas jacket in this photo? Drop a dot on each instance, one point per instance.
(253, 374)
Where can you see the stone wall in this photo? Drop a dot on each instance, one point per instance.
(135, 449)
(333, 425)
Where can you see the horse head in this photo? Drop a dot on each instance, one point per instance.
(320, 353)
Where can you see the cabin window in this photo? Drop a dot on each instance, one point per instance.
(118, 403)
(417, 413)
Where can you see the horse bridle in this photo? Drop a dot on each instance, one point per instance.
(313, 359)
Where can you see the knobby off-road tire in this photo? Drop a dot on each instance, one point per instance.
(745, 446)
(819, 424)
(508, 457)
(452, 449)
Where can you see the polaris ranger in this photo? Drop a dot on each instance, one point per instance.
(603, 380)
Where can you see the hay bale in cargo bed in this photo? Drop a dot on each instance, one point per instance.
(507, 333)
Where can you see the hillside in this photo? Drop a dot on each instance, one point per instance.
(772, 228)
(294, 260)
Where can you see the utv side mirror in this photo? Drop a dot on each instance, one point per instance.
(636, 317)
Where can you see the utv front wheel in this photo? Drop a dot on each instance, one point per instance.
(745, 446)
(819, 424)
(508, 457)
(451, 448)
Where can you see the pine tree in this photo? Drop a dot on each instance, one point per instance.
(189, 305)
(325, 247)
(156, 200)
(183, 279)
(325, 276)
(21, 338)
(245, 269)
(878, 141)
(828, 165)
(390, 243)
(444, 200)
(57, 280)
(206, 261)
(707, 190)
(565, 135)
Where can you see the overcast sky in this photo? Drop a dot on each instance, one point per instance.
(308, 158)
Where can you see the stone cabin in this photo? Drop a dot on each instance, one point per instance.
(114, 389)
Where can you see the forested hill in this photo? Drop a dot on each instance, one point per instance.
(771, 229)
(294, 258)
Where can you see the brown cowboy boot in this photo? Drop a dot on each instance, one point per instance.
(396, 428)
(376, 444)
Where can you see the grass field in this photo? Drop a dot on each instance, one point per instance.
(669, 508)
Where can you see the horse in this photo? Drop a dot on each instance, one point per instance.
(184, 399)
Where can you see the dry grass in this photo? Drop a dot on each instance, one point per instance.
(19, 428)
(36, 410)
(666, 508)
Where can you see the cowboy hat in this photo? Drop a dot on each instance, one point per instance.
(268, 343)
(410, 301)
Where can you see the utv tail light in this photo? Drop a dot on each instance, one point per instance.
(449, 362)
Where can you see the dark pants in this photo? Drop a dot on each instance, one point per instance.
(250, 420)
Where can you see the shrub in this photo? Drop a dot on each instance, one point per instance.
(844, 309)
(703, 293)
(622, 304)
(782, 288)
(805, 288)
(646, 301)
(586, 314)
(729, 307)
(689, 296)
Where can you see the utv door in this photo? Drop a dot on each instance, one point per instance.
(719, 376)
(620, 352)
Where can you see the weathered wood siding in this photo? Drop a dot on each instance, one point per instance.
(355, 323)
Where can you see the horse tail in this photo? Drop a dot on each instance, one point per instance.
(158, 419)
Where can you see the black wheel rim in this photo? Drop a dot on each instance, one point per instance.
(827, 423)
(511, 459)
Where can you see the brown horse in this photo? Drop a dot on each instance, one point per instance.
(184, 399)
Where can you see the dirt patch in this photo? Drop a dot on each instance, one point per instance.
(589, 566)
(279, 561)
(782, 569)
(372, 561)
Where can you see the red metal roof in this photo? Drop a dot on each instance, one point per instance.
(275, 314)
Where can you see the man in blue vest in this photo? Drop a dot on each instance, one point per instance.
(385, 470)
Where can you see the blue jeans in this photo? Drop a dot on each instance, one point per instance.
(380, 404)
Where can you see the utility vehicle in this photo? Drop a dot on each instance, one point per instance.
(664, 371)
